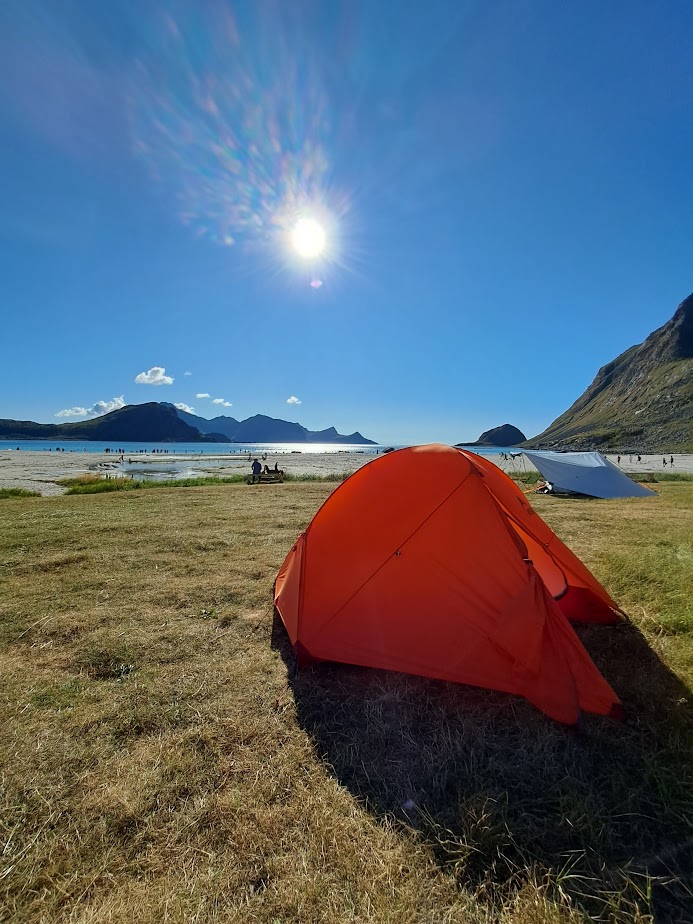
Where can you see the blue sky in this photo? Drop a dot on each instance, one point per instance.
(506, 190)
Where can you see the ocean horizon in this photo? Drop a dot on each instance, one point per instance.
(133, 447)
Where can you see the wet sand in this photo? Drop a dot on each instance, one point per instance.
(42, 470)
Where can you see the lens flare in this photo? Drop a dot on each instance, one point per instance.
(244, 151)
(308, 238)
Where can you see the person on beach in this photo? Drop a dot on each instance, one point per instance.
(256, 469)
(639, 458)
(671, 460)
(618, 459)
(664, 463)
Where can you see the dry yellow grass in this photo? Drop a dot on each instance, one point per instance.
(160, 763)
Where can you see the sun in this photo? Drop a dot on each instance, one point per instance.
(308, 238)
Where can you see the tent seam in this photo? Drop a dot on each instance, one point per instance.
(399, 546)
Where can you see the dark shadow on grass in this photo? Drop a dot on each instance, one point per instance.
(496, 788)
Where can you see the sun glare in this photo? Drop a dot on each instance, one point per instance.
(308, 238)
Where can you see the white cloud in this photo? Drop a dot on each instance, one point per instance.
(222, 402)
(185, 407)
(187, 373)
(96, 410)
(154, 376)
(202, 394)
(293, 400)
(72, 412)
(105, 407)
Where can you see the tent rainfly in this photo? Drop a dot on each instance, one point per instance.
(431, 561)
(586, 473)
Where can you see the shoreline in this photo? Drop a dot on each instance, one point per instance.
(38, 470)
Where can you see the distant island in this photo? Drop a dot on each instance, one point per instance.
(505, 435)
(156, 422)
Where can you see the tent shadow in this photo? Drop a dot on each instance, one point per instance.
(496, 788)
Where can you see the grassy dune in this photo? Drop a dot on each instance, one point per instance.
(161, 762)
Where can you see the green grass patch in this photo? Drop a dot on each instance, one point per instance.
(18, 492)
(655, 578)
(670, 476)
(89, 484)
(654, 477)
(100, 486)
(326, 479)
(58, 696)
(526, 478)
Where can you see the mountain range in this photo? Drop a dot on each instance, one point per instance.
(262, 429)
(164, 423)
(640, 401)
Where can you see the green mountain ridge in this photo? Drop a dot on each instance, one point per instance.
(155, 422)
(640, 401)
(150, 422)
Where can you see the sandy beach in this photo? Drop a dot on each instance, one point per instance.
(42, 470)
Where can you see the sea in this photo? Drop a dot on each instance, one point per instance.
(210, 449)
(186, 460)
(173, 461)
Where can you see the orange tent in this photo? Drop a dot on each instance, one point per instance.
(431, 561)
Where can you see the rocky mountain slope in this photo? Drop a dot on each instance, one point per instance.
(642, 400)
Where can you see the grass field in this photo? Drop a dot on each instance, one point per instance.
(161, 763)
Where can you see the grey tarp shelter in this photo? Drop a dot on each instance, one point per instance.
(585, 473)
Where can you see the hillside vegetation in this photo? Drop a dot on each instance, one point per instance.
(162, 762)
